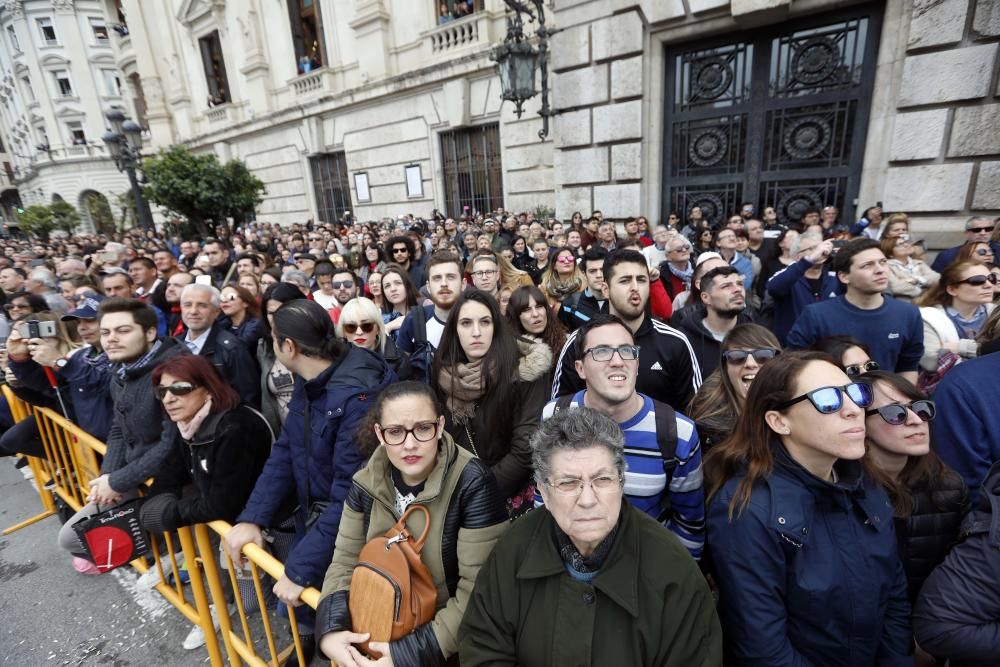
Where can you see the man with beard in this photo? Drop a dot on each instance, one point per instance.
(668, 370)
(802, 283)
(172, 298)
(421, 331)
(222, 268)
(723, 300)
(345, 287)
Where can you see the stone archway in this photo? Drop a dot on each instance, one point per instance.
(97, 212)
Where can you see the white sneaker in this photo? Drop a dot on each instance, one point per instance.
(151, 578)
(196, 638)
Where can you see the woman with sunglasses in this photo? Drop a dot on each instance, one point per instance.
(909, 278)
(929, 498)
(494, 386)
(361, 324)
(850, 354)
(979, 252)
(953, 313)
(800, 537)
(240, 306)
(413, 460)
(562, 279)
(720, 398)
(23, 303)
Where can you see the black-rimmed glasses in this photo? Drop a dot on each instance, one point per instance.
(761, 355)
(854, 370)
(895, 413)
(396, 435)
(828, 400)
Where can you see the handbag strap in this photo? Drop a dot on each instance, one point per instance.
(400, 526)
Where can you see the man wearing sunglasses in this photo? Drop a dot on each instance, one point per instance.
(344, 286)
(662, 452)
(978, 229)
(723, 306)
(140, 438)
(668, 369)
(893, 330)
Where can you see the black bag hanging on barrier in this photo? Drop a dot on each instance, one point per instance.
(114, 537)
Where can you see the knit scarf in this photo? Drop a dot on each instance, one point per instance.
(463, 389)
(140, 362)
(684, 276)
(560, 290)
(188, 429)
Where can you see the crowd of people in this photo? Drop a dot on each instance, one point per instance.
(742, 441)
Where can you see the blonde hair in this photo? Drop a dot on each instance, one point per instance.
(358, 309)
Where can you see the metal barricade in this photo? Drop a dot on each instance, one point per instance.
(21, 410)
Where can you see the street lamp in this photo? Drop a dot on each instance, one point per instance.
(124, 141)
(516, 60)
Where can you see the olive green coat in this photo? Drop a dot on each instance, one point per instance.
(648, 605)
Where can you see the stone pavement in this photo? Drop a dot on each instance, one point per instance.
(50, 615)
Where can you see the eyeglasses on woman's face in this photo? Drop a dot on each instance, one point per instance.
(854, 370)
(352, 327)
(395, 435)
(894, 414)
(978, 280)
(565, 259)
(761, 355)
(828, 400)
(572, 486)
(177, 389)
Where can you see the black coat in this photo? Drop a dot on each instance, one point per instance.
(231, 358)
(928, 534)
(706, 348)
(222, 463)
(957, 615)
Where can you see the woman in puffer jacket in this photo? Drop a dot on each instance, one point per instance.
(414, 461)
(930, 499)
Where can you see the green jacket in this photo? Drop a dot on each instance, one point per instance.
(649, 604)
(467, 518)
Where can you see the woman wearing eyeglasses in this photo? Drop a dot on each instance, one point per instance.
(494, 387)
(562, 278)
(909, 278)
(800, 537)
(953, 313)
(361, 324)
(720, 398)
(929, 498)
(413, 460)
(854, 356)
(979, 252)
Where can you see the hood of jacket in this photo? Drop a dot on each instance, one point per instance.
(535, 358)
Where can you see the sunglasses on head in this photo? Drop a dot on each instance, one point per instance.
(760, 355)
(978, 280)
(366, 327)
(177, 389)
(828, 400)
(895, 414)
(979, 230)
(855, 370)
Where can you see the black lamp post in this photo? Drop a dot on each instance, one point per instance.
(124, 141)
(516, 60)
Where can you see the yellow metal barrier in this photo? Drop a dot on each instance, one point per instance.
(70, 464)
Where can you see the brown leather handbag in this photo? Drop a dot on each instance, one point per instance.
(392, 591)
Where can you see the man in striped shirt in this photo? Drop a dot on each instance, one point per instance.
(608, 362)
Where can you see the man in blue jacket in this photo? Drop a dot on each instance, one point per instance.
(421, 331)
(893, 330)
(805, 282)
(978, 229)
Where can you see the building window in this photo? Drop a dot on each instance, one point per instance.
(307, 34)
(215, 69)
(48, 32)
(473, 172)
(26, 80)
(76, 135)
(138, 98)
(13, 39)
(100, 30)
(331, 185)
(63, 84)
(449, 10)
(112, 84)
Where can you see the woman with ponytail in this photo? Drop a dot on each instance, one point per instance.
(316, 454)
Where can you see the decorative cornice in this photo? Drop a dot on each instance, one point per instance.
(14, 7)
(63, 6)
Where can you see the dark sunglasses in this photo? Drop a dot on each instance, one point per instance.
(855, 370)
(828, 400)
(366, 327)
(346, 284)
(978, 280)
(396, 251)
(979, 230)
(177, 389)
(895, 414)
(983, 252)
(760, 355)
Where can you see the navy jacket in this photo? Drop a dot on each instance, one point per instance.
(957, 615)
(792, 292)
(808, 573)
(967, 426)
(234, 362)
(321, 470)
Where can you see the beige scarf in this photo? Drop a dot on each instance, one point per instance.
(463, 389)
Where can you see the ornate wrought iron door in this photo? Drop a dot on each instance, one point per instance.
(777, 117)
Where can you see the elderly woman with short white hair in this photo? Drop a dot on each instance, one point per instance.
(587, 578)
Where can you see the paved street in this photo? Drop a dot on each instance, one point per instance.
(51, 615)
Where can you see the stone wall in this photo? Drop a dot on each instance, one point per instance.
(944, 145)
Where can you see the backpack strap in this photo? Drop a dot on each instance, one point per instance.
(666, 436)
(419, 325)
(563, 402)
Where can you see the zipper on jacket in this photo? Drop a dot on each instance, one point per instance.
(395, 587)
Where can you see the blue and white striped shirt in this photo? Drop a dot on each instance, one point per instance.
(645, 480)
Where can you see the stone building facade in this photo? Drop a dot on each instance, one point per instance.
(57, 79)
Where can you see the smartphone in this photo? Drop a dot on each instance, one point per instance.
(36, 329)
(203, 280)
(106, 257)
